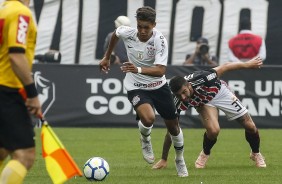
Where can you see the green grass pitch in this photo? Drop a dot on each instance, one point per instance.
(120, 147)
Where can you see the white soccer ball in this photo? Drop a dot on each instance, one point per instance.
(96, 169)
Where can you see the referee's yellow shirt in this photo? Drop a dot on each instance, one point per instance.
(17, 35)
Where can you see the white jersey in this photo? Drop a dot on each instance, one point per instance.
(143, 54)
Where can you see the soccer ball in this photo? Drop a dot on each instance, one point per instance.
(96, 169)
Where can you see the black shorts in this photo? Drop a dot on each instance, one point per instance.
(160, 99)
(16, 129)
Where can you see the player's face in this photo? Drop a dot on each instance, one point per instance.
(145, 29)
(185, 92)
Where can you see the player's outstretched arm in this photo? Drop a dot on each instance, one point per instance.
(254, 63)
(105, 62)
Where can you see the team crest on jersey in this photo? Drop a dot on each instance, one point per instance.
(140, 55)
(135, 100)
(151, 51)
(151, 43)
(23, 22)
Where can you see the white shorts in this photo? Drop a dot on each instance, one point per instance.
(226, 101)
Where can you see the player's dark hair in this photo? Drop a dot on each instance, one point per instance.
(146, 13)
(176, 83)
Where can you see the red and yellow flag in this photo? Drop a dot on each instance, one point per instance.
(59, 163)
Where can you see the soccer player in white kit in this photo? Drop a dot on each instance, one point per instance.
(204, 91)
(146, 83)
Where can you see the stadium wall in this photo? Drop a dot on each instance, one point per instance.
(80, 96)
(78, 28)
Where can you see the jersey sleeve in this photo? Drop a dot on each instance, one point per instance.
(17, 31)
(161, 50)
(123, 31)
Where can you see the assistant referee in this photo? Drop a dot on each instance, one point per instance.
(17, 45)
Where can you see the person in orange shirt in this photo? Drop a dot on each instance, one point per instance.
(17, 45)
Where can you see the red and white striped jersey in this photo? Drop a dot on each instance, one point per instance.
(205, 84)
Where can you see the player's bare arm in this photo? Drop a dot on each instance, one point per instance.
(105, 62)
(157, 71)
(20, 66)
(254, 63)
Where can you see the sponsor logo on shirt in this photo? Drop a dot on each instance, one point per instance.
(189, 77)
(150, 85)
(23, 22)
(162, 45)
(211, 76)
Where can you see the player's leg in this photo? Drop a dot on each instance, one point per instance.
(18, 133)
(145, 125)
(226, 101)
(167, 110)
(253, 138)
(162, 163)
(209, 117)
(16, 169)
(178, 143)
(141, 102)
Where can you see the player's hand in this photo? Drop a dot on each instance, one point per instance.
(33, 106)
(104, 65)
(128, 67)
(256, 62)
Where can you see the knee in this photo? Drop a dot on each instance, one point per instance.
(251, 128)
(173, 127)
(30, 160)
(213, 133)
(174, 130)
(148, 120)
(26, 157)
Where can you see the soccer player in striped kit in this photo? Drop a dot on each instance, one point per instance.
(204, 91)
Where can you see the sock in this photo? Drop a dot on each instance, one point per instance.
(13, 173)
(208, 144)
(178, 143)
(145, 131)
(254, 140)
